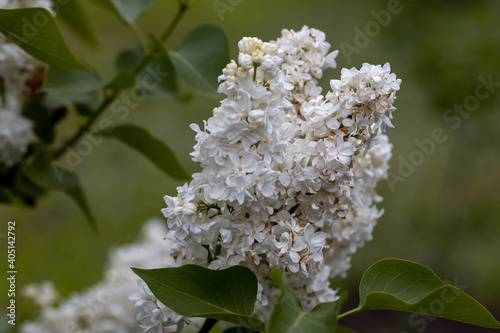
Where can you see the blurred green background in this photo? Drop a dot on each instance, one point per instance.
(446, 214)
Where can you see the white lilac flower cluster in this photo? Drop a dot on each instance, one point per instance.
(289, 175)
(104, 307)
(16, 70)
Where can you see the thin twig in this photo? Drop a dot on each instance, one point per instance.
(183, 6)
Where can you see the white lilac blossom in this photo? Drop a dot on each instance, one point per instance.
(17, 70)
(288, 175)
(105, 307)
(306, 56)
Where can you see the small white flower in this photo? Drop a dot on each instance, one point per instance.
(245, 61)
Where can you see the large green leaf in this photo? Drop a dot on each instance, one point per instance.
(196, 291)
(158, 78)
(289, 317)
(47, 174)
(201, 57)
(36, 32)
(51, 176)
(71, 81)
(74, 15)
(152, 148)
(395, 284)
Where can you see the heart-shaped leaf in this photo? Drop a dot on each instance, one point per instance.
(201, 57)
(289, 317)
(36, 32)
(395, 284)
(196, 291)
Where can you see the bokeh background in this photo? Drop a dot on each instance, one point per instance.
(444, 214)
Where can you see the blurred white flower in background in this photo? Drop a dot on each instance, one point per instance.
(105, 307)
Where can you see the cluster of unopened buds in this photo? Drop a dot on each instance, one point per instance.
(288, 174)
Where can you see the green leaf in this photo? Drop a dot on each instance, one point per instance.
(289, 317)
(24, 27)
(77, 194)
(201, 57)
(395, 284)
(47, 174)
(56, 99)
(25, 189)
(152, 148)
(158, 78)
(80, 87)
(196, 291)
(71, 81)
(129, 10)
(124, 79)
(74, 15)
